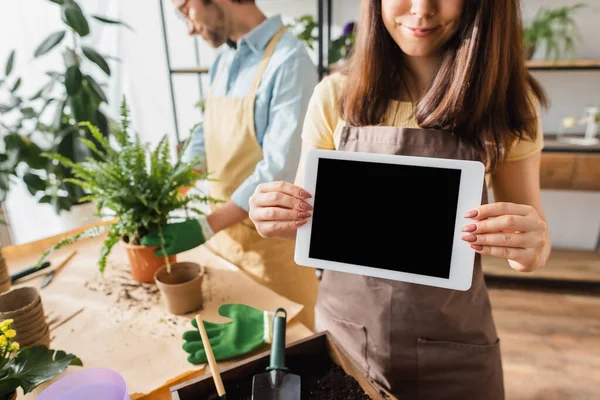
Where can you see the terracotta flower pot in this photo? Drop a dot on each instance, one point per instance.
(181, 288)
(24, 306)
(4, 276)
(144, 262)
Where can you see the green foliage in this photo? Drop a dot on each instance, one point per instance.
(31, 367)
(137, 184)
(555, 29)
(49, 120)
(305, 29)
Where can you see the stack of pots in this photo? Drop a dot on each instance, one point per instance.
(24, 307)
(4, 276)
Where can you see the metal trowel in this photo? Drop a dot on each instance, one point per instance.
(277, 383)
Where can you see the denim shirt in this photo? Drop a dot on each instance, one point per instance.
(281, 101)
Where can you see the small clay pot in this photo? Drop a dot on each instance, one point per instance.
(24, 306)
(34, 337)
(19, 302)
(144, 262)
(182, 287)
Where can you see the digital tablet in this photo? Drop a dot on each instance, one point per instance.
(392, 217)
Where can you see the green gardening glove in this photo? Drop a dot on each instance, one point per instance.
(249, 330)
(178, 237)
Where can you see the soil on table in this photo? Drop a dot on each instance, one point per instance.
(320, 380)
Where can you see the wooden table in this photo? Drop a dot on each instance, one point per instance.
(139, 339)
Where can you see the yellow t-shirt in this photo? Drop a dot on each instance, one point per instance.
(323, 125)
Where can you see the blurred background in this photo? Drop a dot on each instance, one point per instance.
(164, 82)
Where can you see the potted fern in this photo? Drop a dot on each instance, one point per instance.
(139, 188)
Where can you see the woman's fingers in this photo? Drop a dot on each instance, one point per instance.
(277, 214)
(283, 187)
(499, 209)
(278, 199)
(521, 256)
(505, 239)
(504, 223)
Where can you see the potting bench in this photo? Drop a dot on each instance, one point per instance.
(124, 325)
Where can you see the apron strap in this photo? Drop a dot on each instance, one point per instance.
(262, 66)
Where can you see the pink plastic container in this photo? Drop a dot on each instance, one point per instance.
(88, 384)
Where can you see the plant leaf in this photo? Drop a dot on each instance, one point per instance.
(9, 63)
(73, 80)
(58, 115)
(96, 88)
(28, 112)
(111, 21)
(49, 43)
(34, 183)
(73, 17)
(16, 85)
(33, 366)
(96, 58)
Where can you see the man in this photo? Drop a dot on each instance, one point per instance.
(261, 82)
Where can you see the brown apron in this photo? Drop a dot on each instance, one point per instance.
(232, 153)
(420, 342)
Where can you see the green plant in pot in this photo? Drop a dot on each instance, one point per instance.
(139, 188)
(29, 367)
(555, 29)
(49, 119)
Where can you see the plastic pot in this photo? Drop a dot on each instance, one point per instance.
(88, 384)
(144, 262)
(181, 288)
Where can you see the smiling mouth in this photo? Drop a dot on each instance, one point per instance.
(419, 32)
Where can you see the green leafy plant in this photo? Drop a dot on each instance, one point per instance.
(17, 127)
(29, 367)
(49, 120)
(134, 184)
(555, 29)
(305, 26)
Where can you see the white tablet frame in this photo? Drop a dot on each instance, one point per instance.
(469, 197)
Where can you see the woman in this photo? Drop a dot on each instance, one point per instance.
(437, 78)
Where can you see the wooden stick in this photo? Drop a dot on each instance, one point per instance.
(210, 357)
(53, 325)
(64, 262)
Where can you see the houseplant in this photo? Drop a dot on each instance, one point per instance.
(48, 120)
(137, 186)
(304, 28)
(555, 29)
(29, 367)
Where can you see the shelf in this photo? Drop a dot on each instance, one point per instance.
(193, 70)
(553, 145)
(564, 65)
(563, 265)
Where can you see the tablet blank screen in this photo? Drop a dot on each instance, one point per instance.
(394, 217)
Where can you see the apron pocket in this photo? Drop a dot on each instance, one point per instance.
(352, 338)
(452, 370)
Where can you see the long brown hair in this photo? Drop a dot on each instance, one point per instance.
(482, 91)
